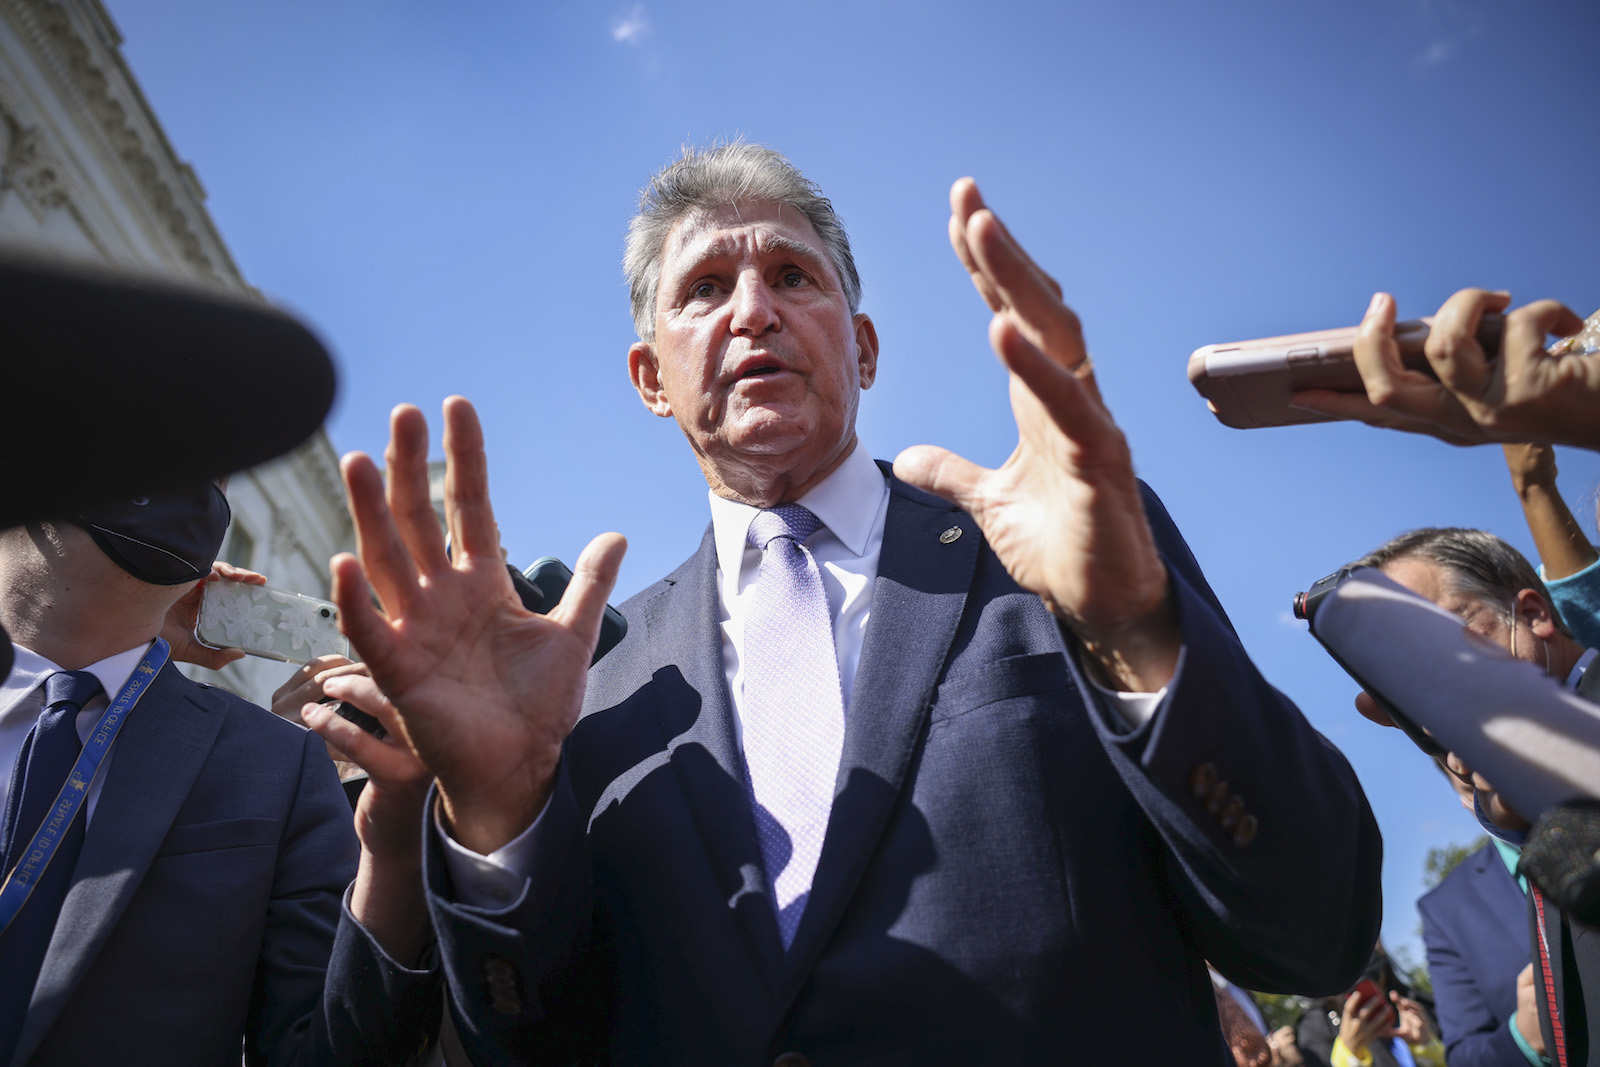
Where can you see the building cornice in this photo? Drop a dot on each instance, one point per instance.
(80, 49)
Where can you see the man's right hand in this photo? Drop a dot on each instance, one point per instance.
(1527, 1017)
(486, 691)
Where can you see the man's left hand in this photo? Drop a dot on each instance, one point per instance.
(1063, 513)
(178, 627)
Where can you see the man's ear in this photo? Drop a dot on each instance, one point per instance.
(645, 373)
(1534, 610)
(866, 350)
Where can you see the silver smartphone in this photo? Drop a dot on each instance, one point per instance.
(267, 622)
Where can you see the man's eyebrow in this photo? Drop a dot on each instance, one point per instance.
(770, 243)
(725, 247)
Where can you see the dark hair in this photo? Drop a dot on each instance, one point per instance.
(1478, 563)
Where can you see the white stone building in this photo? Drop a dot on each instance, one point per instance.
(87, 172)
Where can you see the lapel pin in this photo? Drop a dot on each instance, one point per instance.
(951, 535)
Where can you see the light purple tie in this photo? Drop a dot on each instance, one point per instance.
(793, 714)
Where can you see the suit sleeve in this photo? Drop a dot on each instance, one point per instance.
(1270, 840)
(527, 976)
(324, 992)
(1472, 1035)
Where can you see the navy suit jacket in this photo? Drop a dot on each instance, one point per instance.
(1475, 925)
(1009, 874)
(205, 902)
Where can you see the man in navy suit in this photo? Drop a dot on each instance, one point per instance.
(1058, 785)
(1475, 926)
(203, 910)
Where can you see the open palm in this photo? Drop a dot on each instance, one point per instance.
(486, 691)
(1063, 513)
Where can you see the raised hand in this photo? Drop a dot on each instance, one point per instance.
(1412, 1026)
(485, 691)
(1063, 512)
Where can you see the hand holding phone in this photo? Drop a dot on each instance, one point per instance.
(267, 622)
(1250, 384)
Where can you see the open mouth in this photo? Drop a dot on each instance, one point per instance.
(764, 370)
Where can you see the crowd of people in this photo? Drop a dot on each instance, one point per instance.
(909, 762)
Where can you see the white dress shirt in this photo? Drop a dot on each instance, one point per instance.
(852, 503)
(22, 698)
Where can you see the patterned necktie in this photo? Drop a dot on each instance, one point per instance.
(793, 715)
(46, 758)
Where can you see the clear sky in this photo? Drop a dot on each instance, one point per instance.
(442, 190)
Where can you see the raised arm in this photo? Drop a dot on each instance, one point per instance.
(1563, 548)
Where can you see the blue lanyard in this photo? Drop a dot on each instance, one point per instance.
(75, 790)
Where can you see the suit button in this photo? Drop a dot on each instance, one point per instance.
(1232, 812)
(791, 1059)
(1202, 780)
(502, 978)
(1245, 832)
(1218, 797)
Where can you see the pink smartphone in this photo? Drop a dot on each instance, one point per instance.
(1248, 384)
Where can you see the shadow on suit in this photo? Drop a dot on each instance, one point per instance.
(1009, 873)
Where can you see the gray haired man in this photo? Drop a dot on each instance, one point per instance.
(930, 764)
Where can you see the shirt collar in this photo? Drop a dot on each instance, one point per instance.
(1582, 665)
(846, 501)
(30, 670)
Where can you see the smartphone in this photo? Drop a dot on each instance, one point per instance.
(267, 622)
(1368, 991)
(541, 587)
(1248, 384)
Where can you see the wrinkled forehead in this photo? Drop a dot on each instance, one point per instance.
(745, 228)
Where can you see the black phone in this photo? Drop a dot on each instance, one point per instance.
(346, 710)
(543, 584)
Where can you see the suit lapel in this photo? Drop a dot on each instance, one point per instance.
(159, 751)
(1499, 891)
(722, 814)
(917, 603)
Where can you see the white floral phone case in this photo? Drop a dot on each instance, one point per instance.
(269, 622)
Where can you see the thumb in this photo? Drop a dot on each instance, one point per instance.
(584, 602)
(942, 473)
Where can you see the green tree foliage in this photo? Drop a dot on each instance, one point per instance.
(1441, 861)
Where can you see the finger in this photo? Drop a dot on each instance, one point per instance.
(1527, 329)
(942, 473)
(407, 490)
(1068, 395)
(1377, 355)
(1033, 297)
(594, 575)
(378, 758)
(1452, 347)
(370, 634)
(1355, 407)
(363, 692)
(965, 199)
(466, 483)
(1370, 709)
(221, 569)
(384, 555)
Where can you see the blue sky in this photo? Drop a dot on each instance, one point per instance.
(442, 190)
